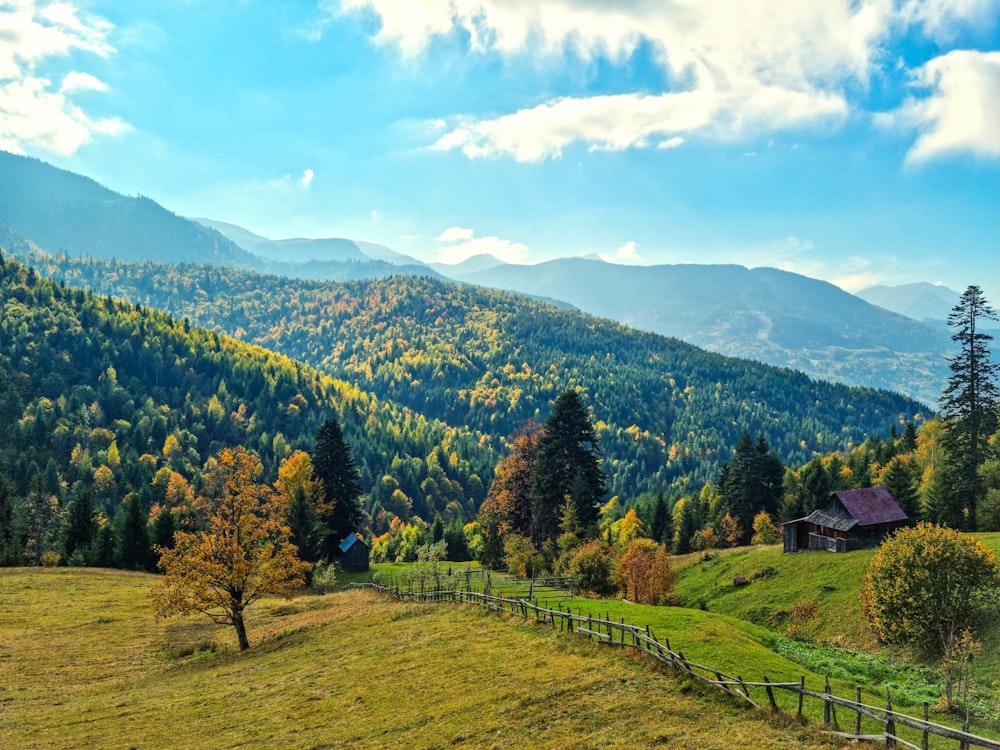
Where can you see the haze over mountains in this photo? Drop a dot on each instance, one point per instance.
(763, 314)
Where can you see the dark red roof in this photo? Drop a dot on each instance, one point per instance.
(871, 506)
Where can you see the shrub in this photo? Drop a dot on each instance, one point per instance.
(644, 573)
(324, 577)
(593, 566)
(764, 530)
(523, 558)
(926, 584)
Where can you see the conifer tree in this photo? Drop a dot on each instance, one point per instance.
(567, 463)
(81, 526)
(340, 481)
(133, 541)
(9, 547)
(969, 405)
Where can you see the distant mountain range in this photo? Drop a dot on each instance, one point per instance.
(920, 301)
(762, 314)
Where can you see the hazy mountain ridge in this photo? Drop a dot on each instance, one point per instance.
(772, 316)
(777, 317)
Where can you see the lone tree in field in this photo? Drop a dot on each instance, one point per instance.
(243, 555)
(927, 585)
(969, 405)
(340, 486)
(567, 465)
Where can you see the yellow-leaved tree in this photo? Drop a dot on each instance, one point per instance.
(242, 555)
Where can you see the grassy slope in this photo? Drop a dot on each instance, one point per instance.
(830, 581)
(83, 663)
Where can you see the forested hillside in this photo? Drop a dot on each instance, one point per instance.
(774, 316)
(666, 412)
(102, 396)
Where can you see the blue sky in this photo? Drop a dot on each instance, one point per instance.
(855, 141)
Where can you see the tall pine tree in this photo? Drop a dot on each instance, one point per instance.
(567, 464)
(969, 405)
(340, 481)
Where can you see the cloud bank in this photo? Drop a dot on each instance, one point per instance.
(774, 65)
(34, 110)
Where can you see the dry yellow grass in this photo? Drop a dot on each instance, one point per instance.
(84, 664)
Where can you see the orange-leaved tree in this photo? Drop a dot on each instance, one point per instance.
(644, 573)
(242, 555)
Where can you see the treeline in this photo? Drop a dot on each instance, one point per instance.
(124, 405)
(667, 414)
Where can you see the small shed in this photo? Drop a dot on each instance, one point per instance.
(855, 519)
(354, 554)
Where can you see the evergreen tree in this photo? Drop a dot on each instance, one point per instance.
(162, 531)
(341, 486)
(662, 527)
(900, 479)
(304, 526)
(688, 524)
(81, 526)
(10, 548)
(815, 486)
(750, 483)
(133, 537)
(104, 548)
(567, 463)
(456, 545)
(969, 404)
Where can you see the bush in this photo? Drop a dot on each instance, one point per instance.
(324, 577)
(764, 530)
(927, 584)
(592, 565)
(523, 558)
(644, 573)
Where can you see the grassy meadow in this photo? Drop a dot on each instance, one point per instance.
(83, 663)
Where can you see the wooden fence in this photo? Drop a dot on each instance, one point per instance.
(761, 694)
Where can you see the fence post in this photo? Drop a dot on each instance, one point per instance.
(802, 693)
(857, 721)
(746, 690)
(925, 742)
(826, 702)
(770, 695)
(890, 723)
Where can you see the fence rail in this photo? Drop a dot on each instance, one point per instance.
(643, 639)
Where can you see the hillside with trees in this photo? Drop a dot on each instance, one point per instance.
(667, 414)
(109, 411)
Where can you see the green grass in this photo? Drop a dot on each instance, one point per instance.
(837, 641)
(83, 663)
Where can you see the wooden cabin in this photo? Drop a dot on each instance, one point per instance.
(354, 554)
(855, 519)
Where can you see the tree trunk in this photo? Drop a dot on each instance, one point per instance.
(241, 631)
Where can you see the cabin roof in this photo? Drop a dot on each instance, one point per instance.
(350, 541)
(871, 506)
(833, 517)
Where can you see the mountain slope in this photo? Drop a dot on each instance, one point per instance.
(774, 316)
(65, 212)
(80, 373)
(667, 412)
(920, 301)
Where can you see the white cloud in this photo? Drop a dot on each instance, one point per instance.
(76, 81)
(461, 243)
(773, 65)
(32, 110)
(627, 253)
(376, 216)
(454, 234)
(307, 177)
(962, 112)
(634, 121)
